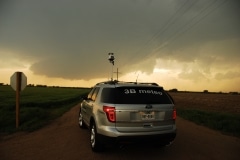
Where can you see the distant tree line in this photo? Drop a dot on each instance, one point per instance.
(40, 85)
(204, 91)
(170, 90)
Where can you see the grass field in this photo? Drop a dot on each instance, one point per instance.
(38, 105)
(217, 111)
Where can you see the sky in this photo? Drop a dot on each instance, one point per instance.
(190, 45)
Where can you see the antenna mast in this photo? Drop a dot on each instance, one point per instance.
(111, 60)
(137, 78)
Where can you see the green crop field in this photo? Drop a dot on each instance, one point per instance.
(38, 105)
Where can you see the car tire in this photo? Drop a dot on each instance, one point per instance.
(80, 120)
(94, 139)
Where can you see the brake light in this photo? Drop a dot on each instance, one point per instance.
(110, 112)
(174, 114)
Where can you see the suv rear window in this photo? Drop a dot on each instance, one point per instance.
(135, 95)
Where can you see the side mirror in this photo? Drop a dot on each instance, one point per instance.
(84, 98)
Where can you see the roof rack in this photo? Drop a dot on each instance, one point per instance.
(117, 82)
(108, 82)
(154, 84)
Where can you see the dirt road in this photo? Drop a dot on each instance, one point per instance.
(63, 140)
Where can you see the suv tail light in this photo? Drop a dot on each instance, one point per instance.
(174, 114)
(110, 112)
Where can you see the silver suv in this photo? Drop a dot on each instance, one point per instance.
(123, 112)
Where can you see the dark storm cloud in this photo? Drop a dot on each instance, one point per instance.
(196, 75)
(227, 75)
(72, 39)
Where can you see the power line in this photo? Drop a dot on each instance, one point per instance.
(182, 29)
(172, 19)
(163, 29)
(185, 28)
(173, 37)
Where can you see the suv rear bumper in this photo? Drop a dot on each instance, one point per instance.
(163, 139)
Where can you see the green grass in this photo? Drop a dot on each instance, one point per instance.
(38, 106)
(225, 122)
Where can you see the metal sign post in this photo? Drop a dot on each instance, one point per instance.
(18, 89)
(18, 82)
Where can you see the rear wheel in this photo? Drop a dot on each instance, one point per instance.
(94, 139)
(80, 120)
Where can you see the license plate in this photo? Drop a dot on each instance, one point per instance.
(148, 116)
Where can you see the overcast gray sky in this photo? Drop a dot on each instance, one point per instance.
(70, 39)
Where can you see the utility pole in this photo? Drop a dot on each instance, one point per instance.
(117, 73)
